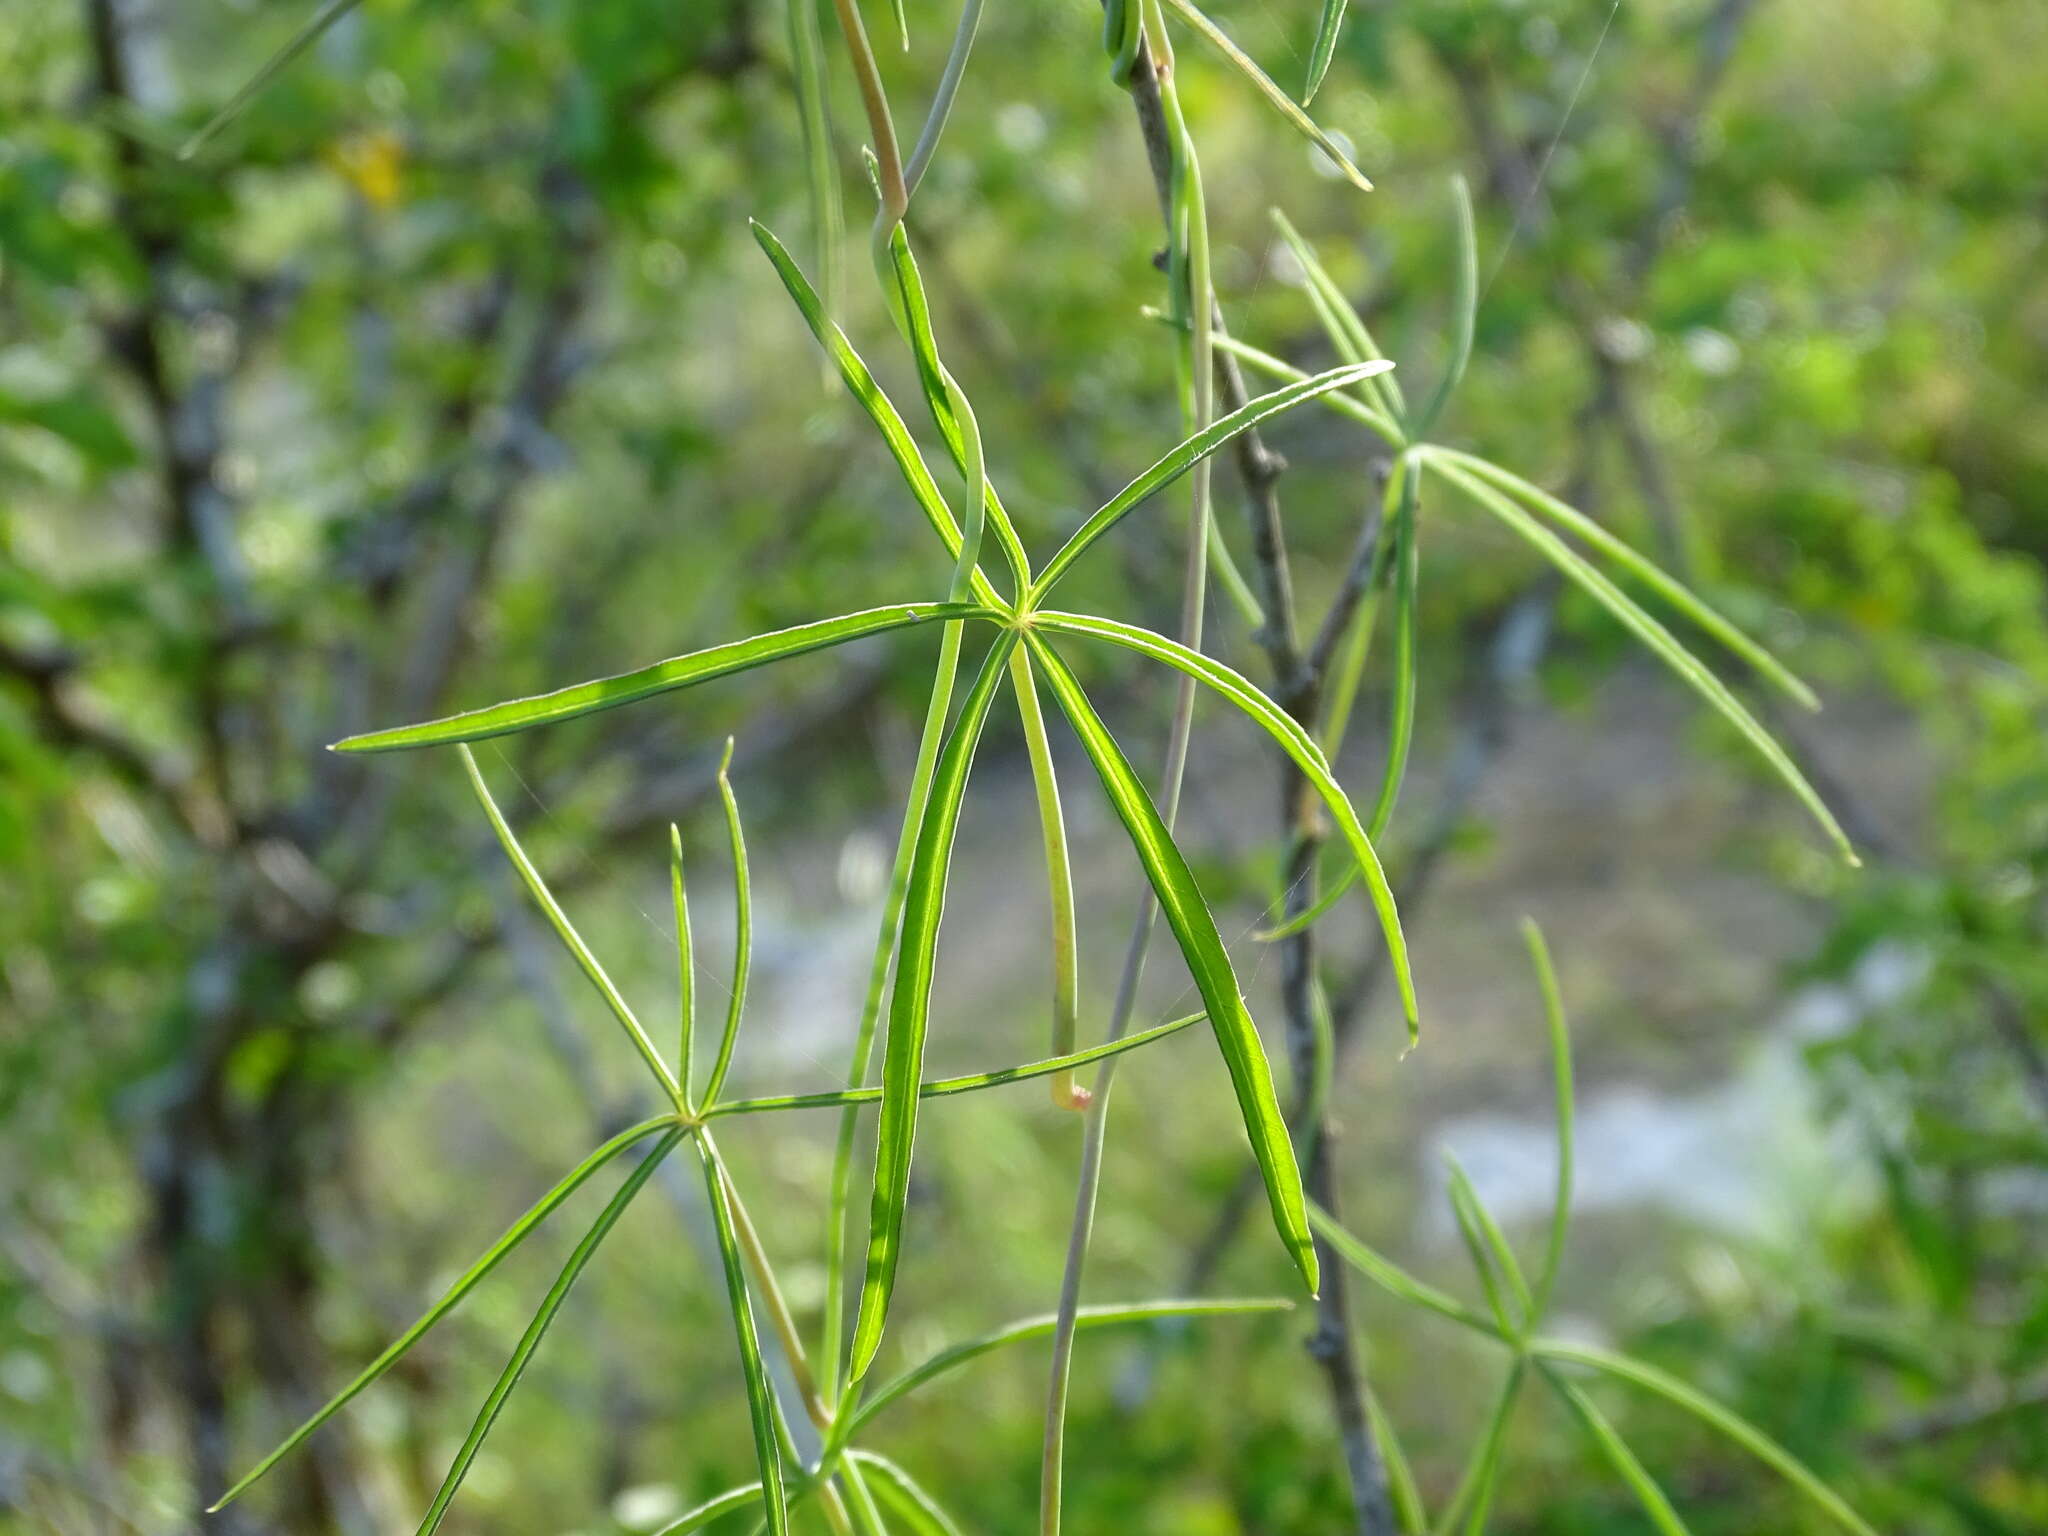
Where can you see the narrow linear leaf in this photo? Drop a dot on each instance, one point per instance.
(860, 383)
(1482, 1472)
(807, 58)
(1640, 566)
(1402, 1489)
(686, 963)
(760, 1395)
(1059, 878)
(743, 928)
(722, 1504)
(1491, 1256)
(1619, 1456)
(1177, 461)
(1278, 99)
(513, 1236)
(1332, 894)
(1700, 1406)
(1654, 635)
(1340, 321)
(1194, 929)
(566, 932)
(910, 1005)
(1393, 1279)
(662, 677)
(1561, 1076)
(1293, 739)
(537, 1329)
(1404, 523)
(1040, 1327)
(1325, 49)
(923, 1513)
(308, 34)
(940, 1087)
(1464, 307)
(1343, 402)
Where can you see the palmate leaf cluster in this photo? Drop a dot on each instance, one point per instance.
(1021, 644)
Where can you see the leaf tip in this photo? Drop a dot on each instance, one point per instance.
(725, 760)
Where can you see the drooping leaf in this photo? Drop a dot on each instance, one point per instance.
(663, 676)
(1619, 1456)
(537, 1329)
(1194, 928)
(492, 1256)
(1700, 1406)
(1293, 739)
(1653, 634)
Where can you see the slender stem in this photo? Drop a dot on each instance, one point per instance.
(743, 930)
(881, 127)
(942, 99)
(1066, 943)
(1180, 188)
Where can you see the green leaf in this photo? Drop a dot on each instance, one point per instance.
(1402, 1489)
(566, 932)
(1343, 325)
(872, 399)
(1293, 739)
(1404, 526)
(1052, 826)
(941, 1087)
(1327, 31)
(910, 1005)
(1704, 1408)
(1482, 1471)
(686, 963)
(1184, 455)
(743, 929)
(1041, 1327)
(663, 676)
(1640, 566)
(907, 1496)
(1187, 913)
(307, 35)
(760, 1395)
(1343, 402)
(537, 1329)
(1491, 1255)
(1653, 634)
(821, 177)
(1390, 1277)
(1561, 1076)
(513, 1236)
(1464, 308)
(1619, 1456)
(1279, 100)
(722, 1504)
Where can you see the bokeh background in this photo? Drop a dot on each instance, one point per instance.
(450, 372)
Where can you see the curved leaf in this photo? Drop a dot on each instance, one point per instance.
(663, 676)
(1390, 1277)
(1194, 928)
(1700, 1406)
(1619, 1456)
(513, 1236)
(1654, 635)
(1293, 739)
